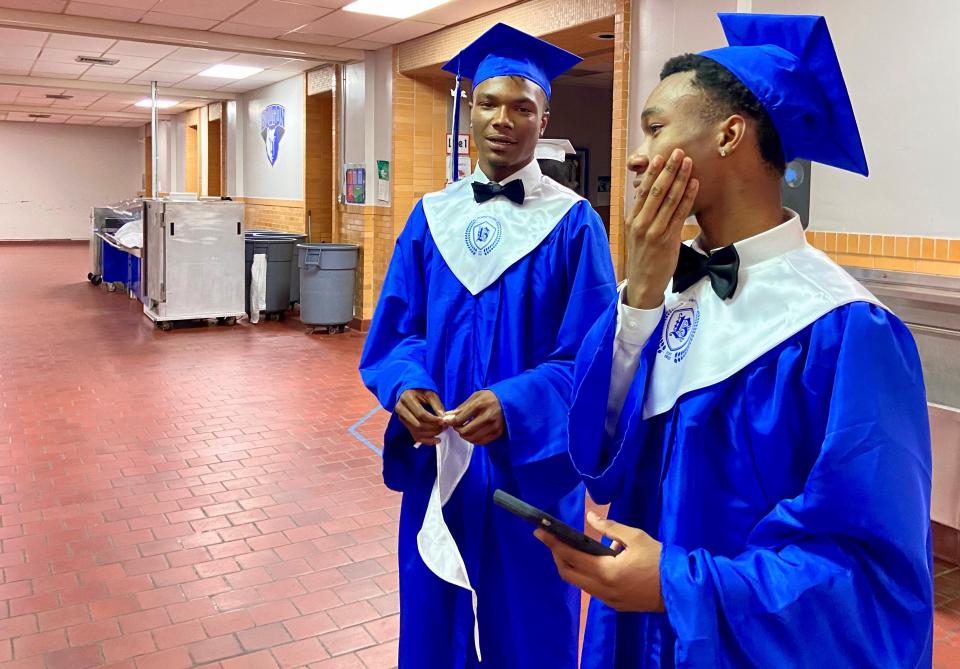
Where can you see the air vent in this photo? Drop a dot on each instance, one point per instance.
(39, 115)
(604, 37)
(58, 96)
(92, 60)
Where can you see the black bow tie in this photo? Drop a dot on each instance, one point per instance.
(513, 191)
(722, 267)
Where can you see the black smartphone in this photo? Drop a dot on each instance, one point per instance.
(558, 528)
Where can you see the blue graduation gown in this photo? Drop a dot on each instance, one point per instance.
(518, 338)
(792, 500)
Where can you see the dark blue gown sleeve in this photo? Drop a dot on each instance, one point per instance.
(842, 571)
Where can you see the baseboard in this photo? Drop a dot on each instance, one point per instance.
(18, 242)
(359, 325)
(946, 542)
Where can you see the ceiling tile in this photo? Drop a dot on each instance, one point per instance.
(16, 65)
(366, 45)
(219, 10)
(55, 6)
(403, 31)
(82, 120)
(68, 70)
(162, 79)
(170, 66)
(193, 55)
(111, 122)
(248, 31)
(310, 38)
(7, 98)
(327, 4)
(141, 49)
(104, 73)
(204, 83)
(19, 51)
(460, 10)
(64, 55)
(54, 118)
(104, 12)
(24, 37)
(102, 106)
(280, 13)
(257, 61)
(126, 4)
(71, 104)
(347, 24)
(133, 62)
(175, 21)
(79, 43)
(19, 116)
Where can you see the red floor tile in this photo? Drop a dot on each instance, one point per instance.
(194, 499)
(184, 499)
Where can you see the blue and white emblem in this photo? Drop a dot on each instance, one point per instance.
(482, 235)
(271, 130)
(679, 329)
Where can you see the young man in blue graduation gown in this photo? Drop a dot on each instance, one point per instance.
(493, 284)
(759, 426)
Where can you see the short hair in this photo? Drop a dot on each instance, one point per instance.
(727, 95)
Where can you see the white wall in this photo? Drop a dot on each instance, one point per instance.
(367, 116)
(284, 179)
(51, 175)
(901, 65)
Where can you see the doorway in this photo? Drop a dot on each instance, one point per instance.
(318, 167)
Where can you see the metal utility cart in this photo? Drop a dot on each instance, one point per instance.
(192, 261)
(106, 220)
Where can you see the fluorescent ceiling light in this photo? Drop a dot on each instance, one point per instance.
(161, 104)
(224, 71)
(395, 9)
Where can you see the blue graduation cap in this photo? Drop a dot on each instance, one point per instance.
(504, 51)
(790, 64)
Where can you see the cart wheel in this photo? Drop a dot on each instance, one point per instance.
(90, 276)
(282, 316)
(227, 320)
(96, 280)
(341, 329)
(165, 326)
(111, 287)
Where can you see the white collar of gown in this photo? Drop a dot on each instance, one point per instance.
(784, 285)
(480, 241)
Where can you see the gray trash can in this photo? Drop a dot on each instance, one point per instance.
(280, 256)
(293, 239)
(327, 283)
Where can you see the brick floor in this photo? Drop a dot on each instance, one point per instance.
(194, 498)
(182, 499)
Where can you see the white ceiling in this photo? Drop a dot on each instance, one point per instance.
(44, 55)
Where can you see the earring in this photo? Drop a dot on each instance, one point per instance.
(723, 153)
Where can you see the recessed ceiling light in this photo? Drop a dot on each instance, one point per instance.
(161, 104)
(224, 71)
(395, 9)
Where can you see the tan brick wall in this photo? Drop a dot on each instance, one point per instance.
(619, 149)
(280, 215)
(896, 253)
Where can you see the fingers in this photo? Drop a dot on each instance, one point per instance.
(684, 208)
(422, 425)
(673, 194)
(585, 575)
(433, 401)
(464, 413)
(644, 184)
(622, 534)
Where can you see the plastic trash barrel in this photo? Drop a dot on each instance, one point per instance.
(293, 239)
(280, 255)
(327, 283)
